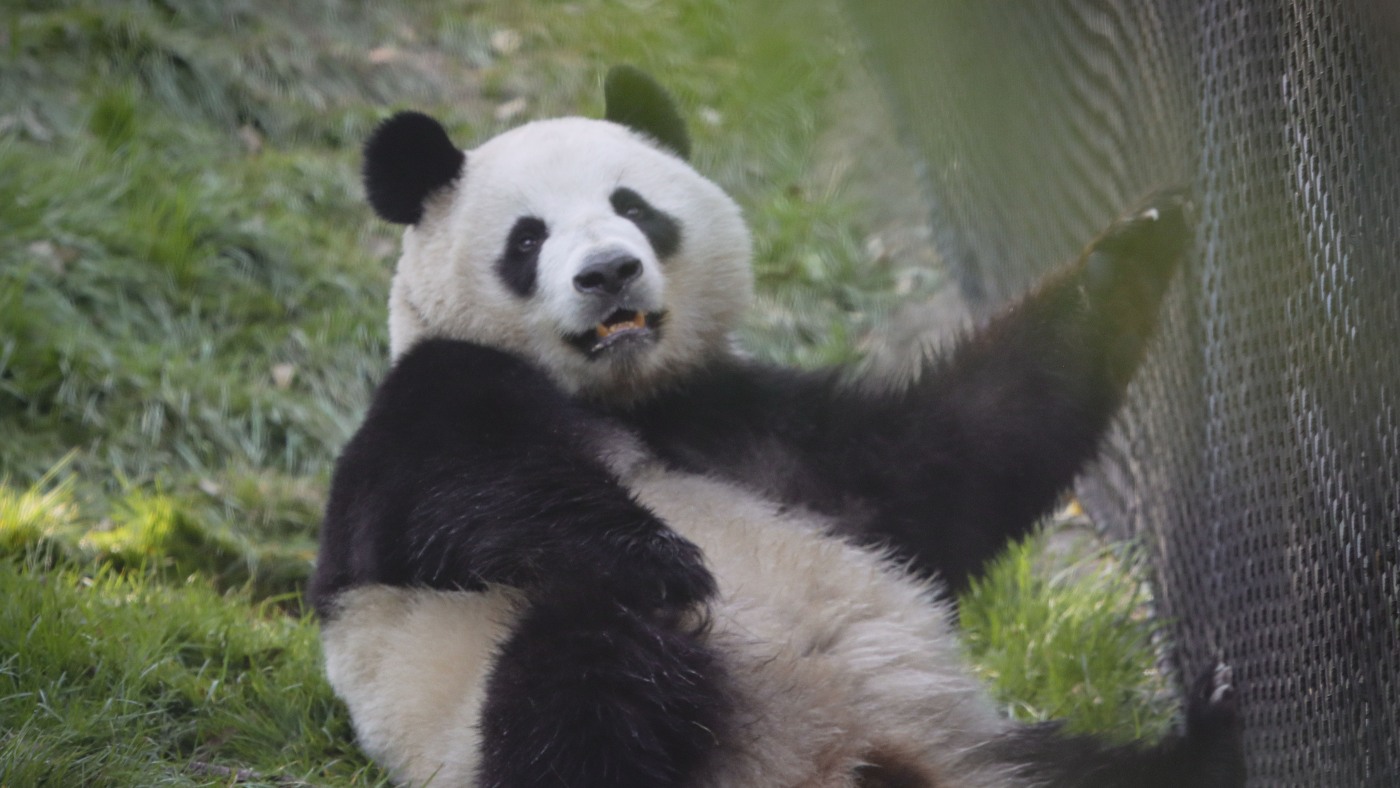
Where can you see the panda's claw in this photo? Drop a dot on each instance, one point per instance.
(1214, 728)
(1224, 688)
(1212, 706)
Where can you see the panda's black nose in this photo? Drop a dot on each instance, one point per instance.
(608, 276)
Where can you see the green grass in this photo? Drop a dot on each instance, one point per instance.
(126, 678)
(192, 317)
(1069, 637)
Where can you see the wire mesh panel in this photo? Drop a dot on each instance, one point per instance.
(1259, 455)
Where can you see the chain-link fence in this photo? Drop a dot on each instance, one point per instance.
(1260, 453)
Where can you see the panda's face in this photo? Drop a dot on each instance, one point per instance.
(583, 246)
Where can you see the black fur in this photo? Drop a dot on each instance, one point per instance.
(660, 228)
(407, 158)
(589, 694)
(635, 100)
(518, 265)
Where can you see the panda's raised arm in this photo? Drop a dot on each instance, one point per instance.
(471, 469)
(994, 433)
(980, 447)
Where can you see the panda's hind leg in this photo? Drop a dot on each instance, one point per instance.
(1209, 754)
(587, 693)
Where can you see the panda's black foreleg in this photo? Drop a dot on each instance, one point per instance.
(1209, 754)
(999, 428)
(472, 469)
(591, 694)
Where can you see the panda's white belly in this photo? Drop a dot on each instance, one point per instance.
(837, 657)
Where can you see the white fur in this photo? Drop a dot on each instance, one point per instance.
(563, 171)
(411, 665)
(827, 679)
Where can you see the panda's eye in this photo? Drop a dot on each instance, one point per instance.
(526, 237)
(520, 259)
(660, 228)
(630, 205)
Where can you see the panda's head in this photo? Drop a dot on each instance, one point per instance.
(589, 247)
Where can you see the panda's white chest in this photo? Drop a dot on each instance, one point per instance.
(837, 657)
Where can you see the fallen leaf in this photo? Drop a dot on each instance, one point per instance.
(382, 55)
(282, 375)
(56, 256)
(506, 42)
(252, 140)
(511, 108)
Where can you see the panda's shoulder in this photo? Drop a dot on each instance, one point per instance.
(450, 390)
(444, 370)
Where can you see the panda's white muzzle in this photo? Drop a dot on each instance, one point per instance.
(618, 297)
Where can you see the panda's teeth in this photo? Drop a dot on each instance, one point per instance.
(605, 330)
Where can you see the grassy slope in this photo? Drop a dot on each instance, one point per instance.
(191, 316)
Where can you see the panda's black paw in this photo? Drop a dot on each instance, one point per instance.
(656, 571)
(1140, 250)
(590, 694)
(1123, 277)
(1158, 229)
(1213, 728)
(1211, 706)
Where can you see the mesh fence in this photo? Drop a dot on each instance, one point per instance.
(1259, 457)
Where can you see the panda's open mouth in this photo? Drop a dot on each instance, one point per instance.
(622, 327)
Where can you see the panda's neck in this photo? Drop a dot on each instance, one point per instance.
(639, 395)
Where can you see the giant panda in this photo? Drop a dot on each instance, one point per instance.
(581, 540)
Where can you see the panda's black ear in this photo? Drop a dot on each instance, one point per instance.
(635, 100)
(407, 158)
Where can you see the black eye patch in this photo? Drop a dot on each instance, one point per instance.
(519, 263)
(660, 228)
